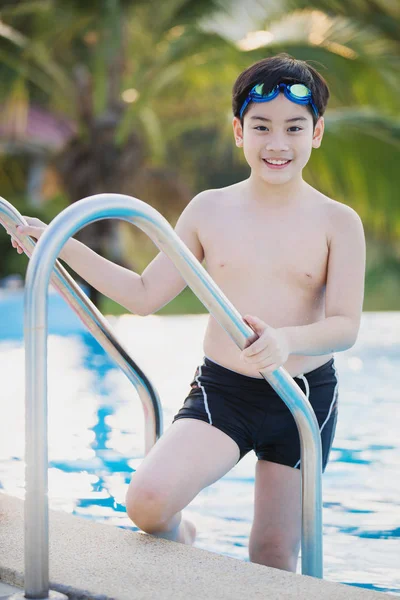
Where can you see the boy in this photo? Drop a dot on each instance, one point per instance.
(299, 267)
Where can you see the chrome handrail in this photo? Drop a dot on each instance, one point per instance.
(98, 327)
(135, 211)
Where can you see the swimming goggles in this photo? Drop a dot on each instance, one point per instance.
(296, 92)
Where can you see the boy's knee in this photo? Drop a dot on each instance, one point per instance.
(145, 506)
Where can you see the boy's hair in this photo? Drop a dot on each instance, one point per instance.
(281, 68)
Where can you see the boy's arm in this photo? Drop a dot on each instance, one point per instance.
(140, 294)
(344, 290)
(159, 283)
(161, 280)
(343, 302)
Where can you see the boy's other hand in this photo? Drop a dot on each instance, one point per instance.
(270, 351)
(34, 228)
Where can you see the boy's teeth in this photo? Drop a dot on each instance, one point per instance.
(276, 162)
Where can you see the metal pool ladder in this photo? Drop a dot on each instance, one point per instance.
(103, 333)
(130, 209)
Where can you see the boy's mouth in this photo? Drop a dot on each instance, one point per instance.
(277, 163)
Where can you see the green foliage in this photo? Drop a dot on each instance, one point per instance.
(185, 303)
(79, 57)
(358, 172)
(382, 282)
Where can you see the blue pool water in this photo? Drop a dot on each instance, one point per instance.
(96, 438)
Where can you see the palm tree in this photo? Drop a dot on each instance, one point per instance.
(106, 65)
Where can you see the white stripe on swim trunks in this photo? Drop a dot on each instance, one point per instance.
(303, 377)
(204, 396)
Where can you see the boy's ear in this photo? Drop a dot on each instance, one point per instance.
(318, 132)
(237, 132)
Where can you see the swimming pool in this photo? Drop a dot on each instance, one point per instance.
(96, 439)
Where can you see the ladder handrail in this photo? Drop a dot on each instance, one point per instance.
(132, 210)
(98, 326)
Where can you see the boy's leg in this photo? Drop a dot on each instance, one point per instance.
(191, 455)
(276, 532)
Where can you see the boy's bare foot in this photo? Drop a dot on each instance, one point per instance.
(187, 533)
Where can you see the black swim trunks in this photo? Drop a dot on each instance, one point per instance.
(250, 411)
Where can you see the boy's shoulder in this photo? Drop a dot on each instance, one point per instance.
(213, 198)
(340, 212)
(213, 194)
(204, 206)
(340, 218)
(333, 209)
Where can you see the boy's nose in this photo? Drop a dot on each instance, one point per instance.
(276, 143)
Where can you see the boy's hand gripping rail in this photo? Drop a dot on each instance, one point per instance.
(130, 209)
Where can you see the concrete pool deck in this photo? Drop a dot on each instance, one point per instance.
(92, 561)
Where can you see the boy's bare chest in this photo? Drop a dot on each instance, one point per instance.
(291, 250)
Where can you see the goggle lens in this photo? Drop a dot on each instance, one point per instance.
(258, 89)
(299, 90)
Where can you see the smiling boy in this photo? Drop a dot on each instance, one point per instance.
(292, 261)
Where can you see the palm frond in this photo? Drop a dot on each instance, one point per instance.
(382, 15)
(355, 165)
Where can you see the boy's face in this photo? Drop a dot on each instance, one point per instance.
(278, 130)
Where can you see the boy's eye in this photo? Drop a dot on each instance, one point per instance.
(293, 129)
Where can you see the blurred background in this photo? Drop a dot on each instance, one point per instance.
(134, 97)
